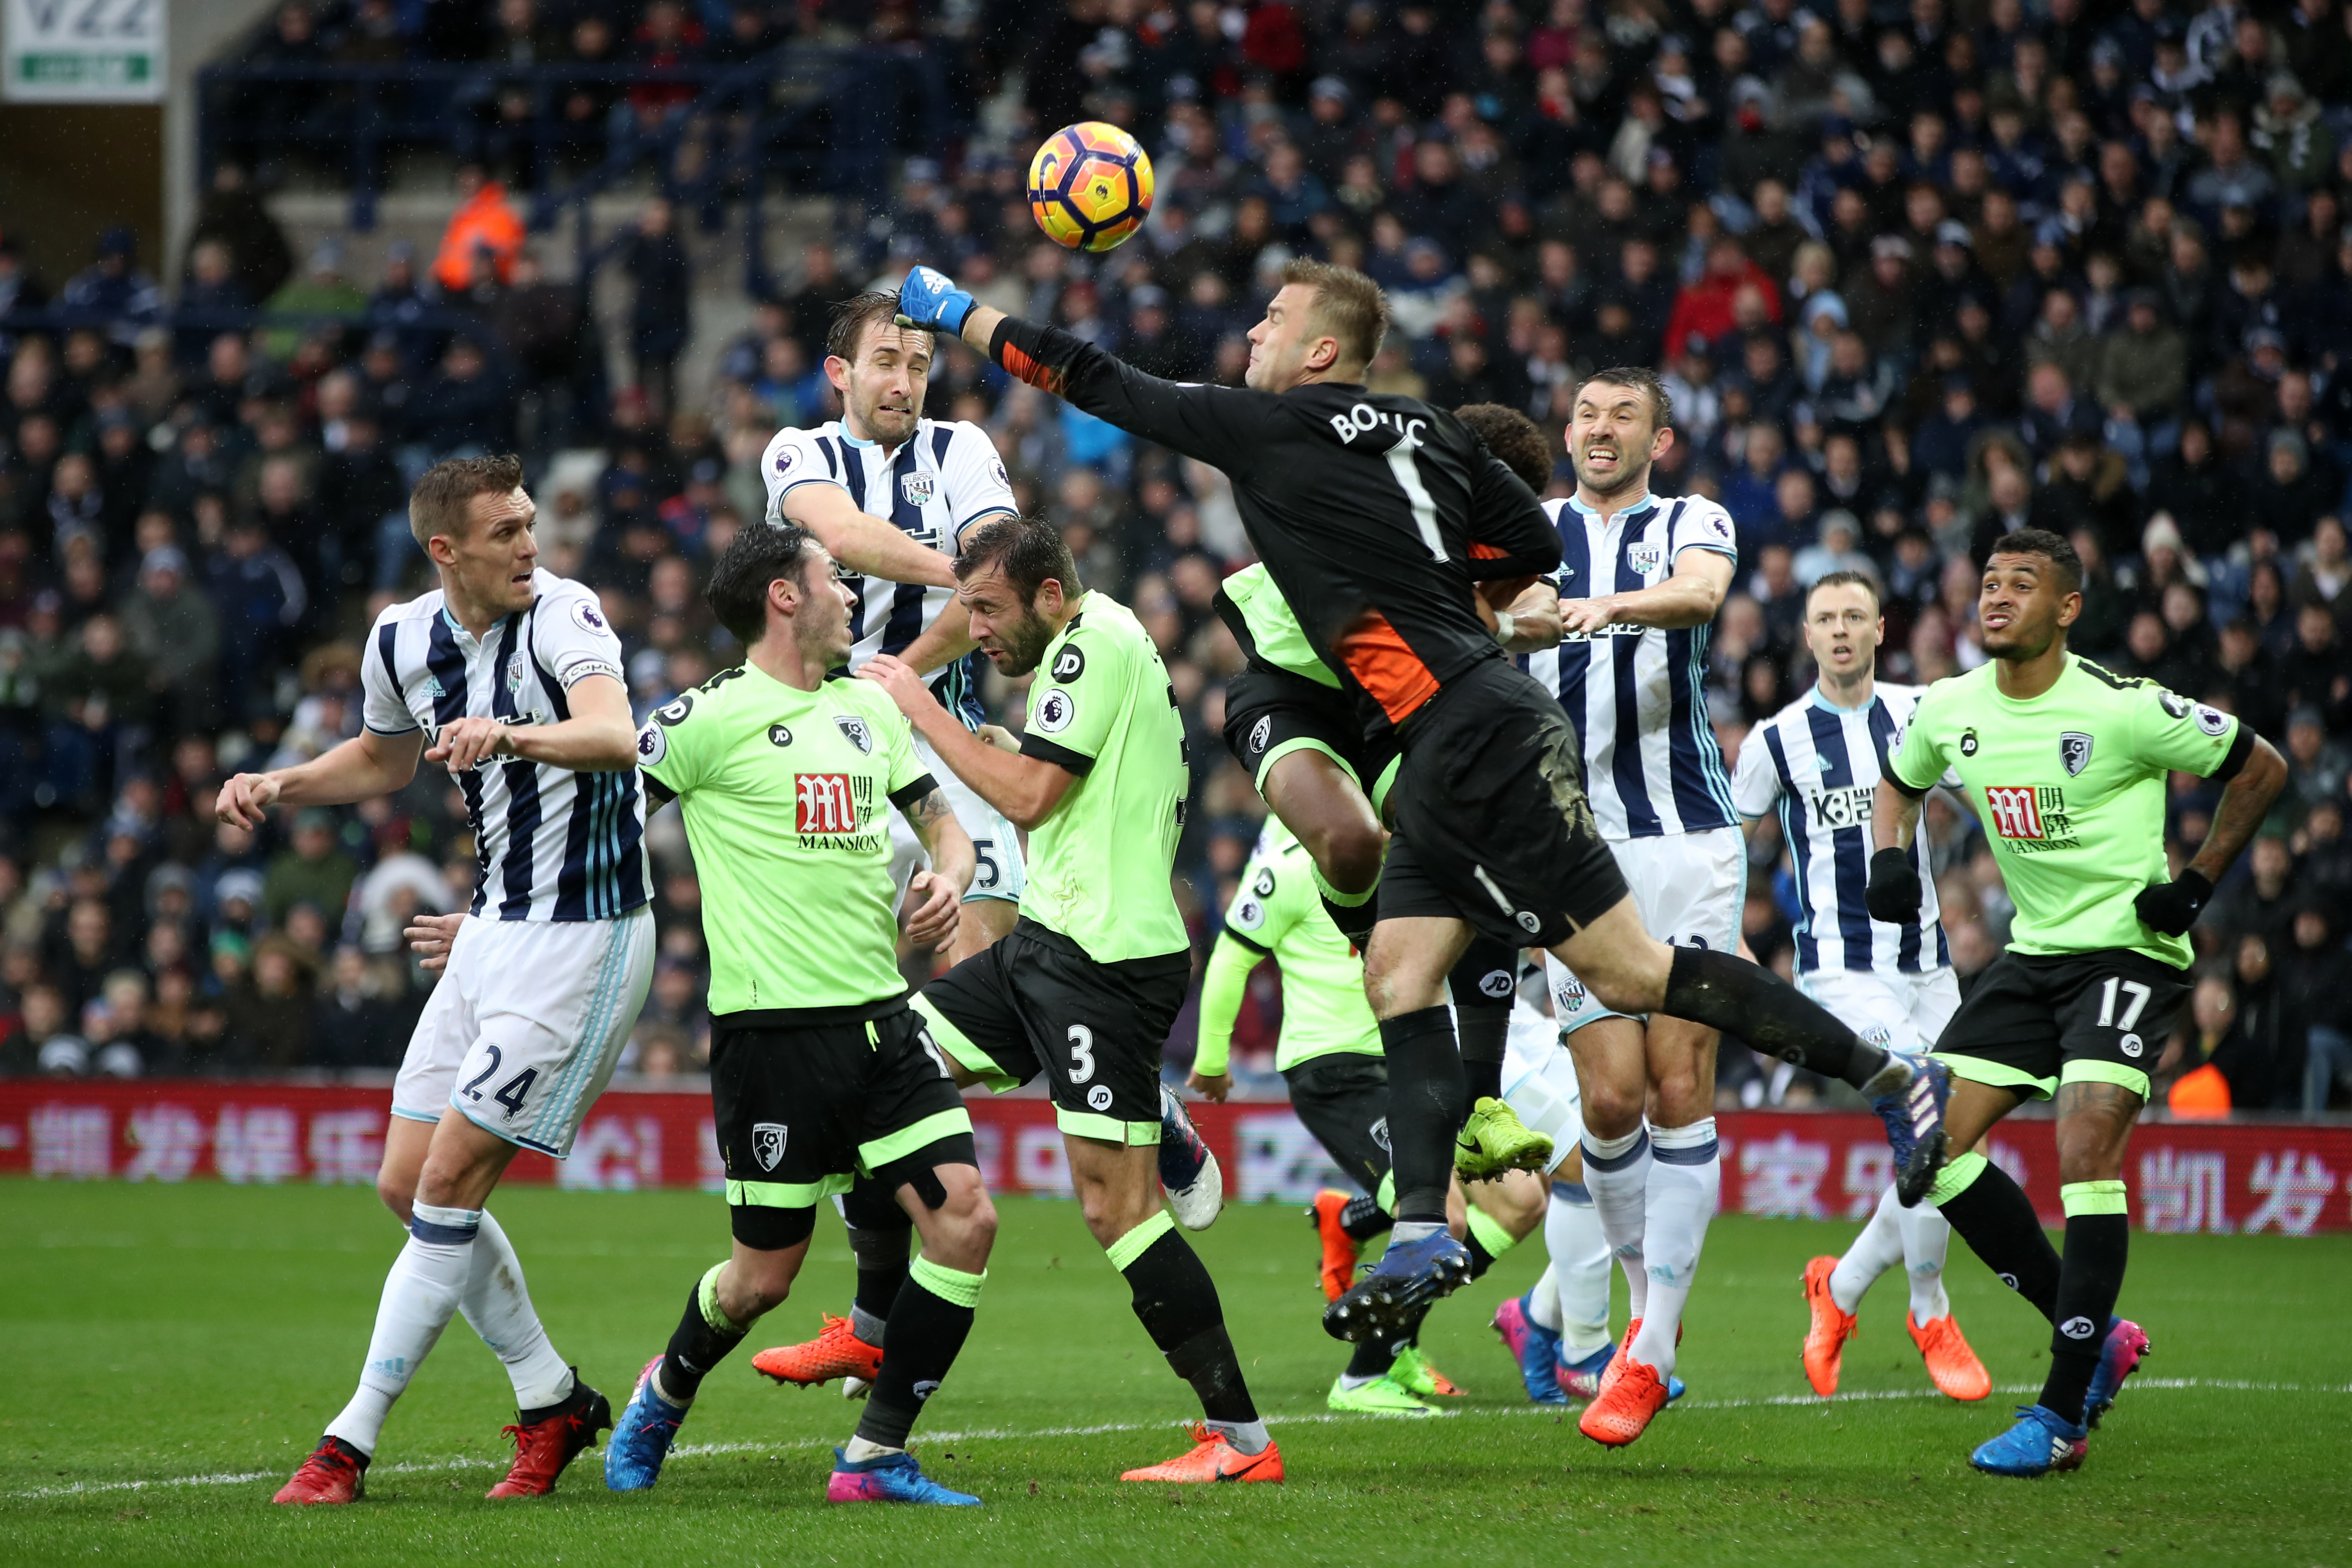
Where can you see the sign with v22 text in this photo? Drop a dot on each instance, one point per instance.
(83, 51)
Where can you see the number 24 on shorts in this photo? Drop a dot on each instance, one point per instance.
(511, 1092)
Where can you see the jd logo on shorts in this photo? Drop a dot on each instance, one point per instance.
(854, 731)
(2075, 1328)
(768, 1143)
(1069, 664)
(2075, 751)
(2131, 1045)
(1098, 1097)
(1260, 733)
(1495, 983)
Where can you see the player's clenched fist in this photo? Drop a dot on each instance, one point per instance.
(244, 800)
(2172, 907)
(934, 918)
(465, 743)
(899, 678)
(1893, 892)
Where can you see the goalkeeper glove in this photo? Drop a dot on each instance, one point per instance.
(1893, 894)
(930, 301)
(2172, 907)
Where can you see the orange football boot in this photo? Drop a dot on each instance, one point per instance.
(838, 1352)
(1214, 1459)
(1623, 1410)
(1339, 1249)
(1951, 1364)
(1825, 1338)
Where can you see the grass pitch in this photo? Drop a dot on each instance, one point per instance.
(171, 1352)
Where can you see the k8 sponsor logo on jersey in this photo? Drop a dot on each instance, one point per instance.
(1845, 807)
(2032, 816)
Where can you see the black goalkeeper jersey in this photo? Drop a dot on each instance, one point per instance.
(1374, 513)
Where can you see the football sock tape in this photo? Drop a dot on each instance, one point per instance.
(704, 1335)
(928, 1324)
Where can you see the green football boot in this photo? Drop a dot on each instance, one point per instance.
(1494, 1140)
(1381, 1397)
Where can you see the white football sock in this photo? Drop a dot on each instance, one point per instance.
(420, 1297)
(1927, 1237)
(1878, 1249)
(1579, 1271)
(1543, 1302)
(1686, 1185)
(497, 1304)
(1620, 1198)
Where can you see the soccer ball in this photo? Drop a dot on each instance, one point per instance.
(1090, 186)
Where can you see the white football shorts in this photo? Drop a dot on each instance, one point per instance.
(999, 871)
(1901, 1012)
(1688, 889)
(522, 1032)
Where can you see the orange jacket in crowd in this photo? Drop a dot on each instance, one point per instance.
(487, 218)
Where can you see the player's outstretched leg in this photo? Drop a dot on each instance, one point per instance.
(1423, 1263)
(1952, 1364)
(1177, 1303)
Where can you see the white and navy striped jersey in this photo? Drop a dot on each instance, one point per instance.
(941, 481)
(1819, 765)
(1637, 695)
(551, 843)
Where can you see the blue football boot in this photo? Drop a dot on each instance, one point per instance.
(892, 1477)
(2038, 1444)
(641, 1439)
(1914, 1115)
(1409, 1276)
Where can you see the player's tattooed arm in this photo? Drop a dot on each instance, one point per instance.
(2246, 802)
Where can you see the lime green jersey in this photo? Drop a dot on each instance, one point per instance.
(2070, 786)
(1277, 912)
(1104, 708)
(787, 796)
(1280, 640)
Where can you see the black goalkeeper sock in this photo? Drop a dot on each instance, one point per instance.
(1481, 986)
(928, 1323)
(1997, 1221)
(1363, 1218)
(880, 1236)
(1355, 920)
(1425, 1107)
(1177, 1303)
(2090, 1277)
(703, 1337)
(1726, 992)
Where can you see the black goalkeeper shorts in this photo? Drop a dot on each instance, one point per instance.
(1491, 823)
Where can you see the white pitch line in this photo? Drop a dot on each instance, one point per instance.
(997, 1434)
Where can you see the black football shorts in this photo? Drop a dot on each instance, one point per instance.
(1037, 1003)
(1490, 821)
(1271, 713)
(1342, 1097)
(805, 1103)
(2035, 1020)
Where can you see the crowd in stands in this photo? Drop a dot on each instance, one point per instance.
(1917, 274)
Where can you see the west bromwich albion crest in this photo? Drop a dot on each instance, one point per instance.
(919, 489)
(2075, 751)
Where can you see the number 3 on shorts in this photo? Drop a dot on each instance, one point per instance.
(1082, 1053)
(2136, 996)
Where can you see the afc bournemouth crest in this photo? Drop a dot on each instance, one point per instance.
(768, 1143)
(854, 731)
(2075, 751)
